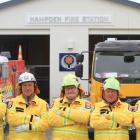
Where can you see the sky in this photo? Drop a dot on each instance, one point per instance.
(1, 1)
(138, 1)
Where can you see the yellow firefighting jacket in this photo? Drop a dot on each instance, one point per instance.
(19, 113)
(111, 123)
(2, 114)
(137, 119)
(2, 110)
(69, 121)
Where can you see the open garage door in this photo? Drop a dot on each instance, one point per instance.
(36, 53)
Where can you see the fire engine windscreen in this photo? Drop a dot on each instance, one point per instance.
(118, 64)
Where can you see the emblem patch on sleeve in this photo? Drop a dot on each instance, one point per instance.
(87, 105)
(10, 104)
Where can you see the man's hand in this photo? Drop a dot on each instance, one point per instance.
(36, 118)
(22, 128)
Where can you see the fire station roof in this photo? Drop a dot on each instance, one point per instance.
(129, 3)
(7, 3)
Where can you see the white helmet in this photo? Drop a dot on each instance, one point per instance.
(26, 77)
(3, 59)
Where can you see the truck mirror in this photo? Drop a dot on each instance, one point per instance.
(79, 58)
(129, 59)
(5, 71)
(79, 70)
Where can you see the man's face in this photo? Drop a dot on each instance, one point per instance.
(71, 92)
(110, 95)
(27, 89)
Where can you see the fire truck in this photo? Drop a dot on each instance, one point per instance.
(9, 73)
(120, 59)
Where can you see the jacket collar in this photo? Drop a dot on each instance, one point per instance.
(34, 101)
(117, 104)
(65, 100)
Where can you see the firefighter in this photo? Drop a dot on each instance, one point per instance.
(2, 115)
(69, 114)
(111, 117)
(137, 119)
(27, 113)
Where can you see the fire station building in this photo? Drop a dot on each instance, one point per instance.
(52, 32)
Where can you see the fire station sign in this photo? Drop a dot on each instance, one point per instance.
(67, 61)
(68, 19)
